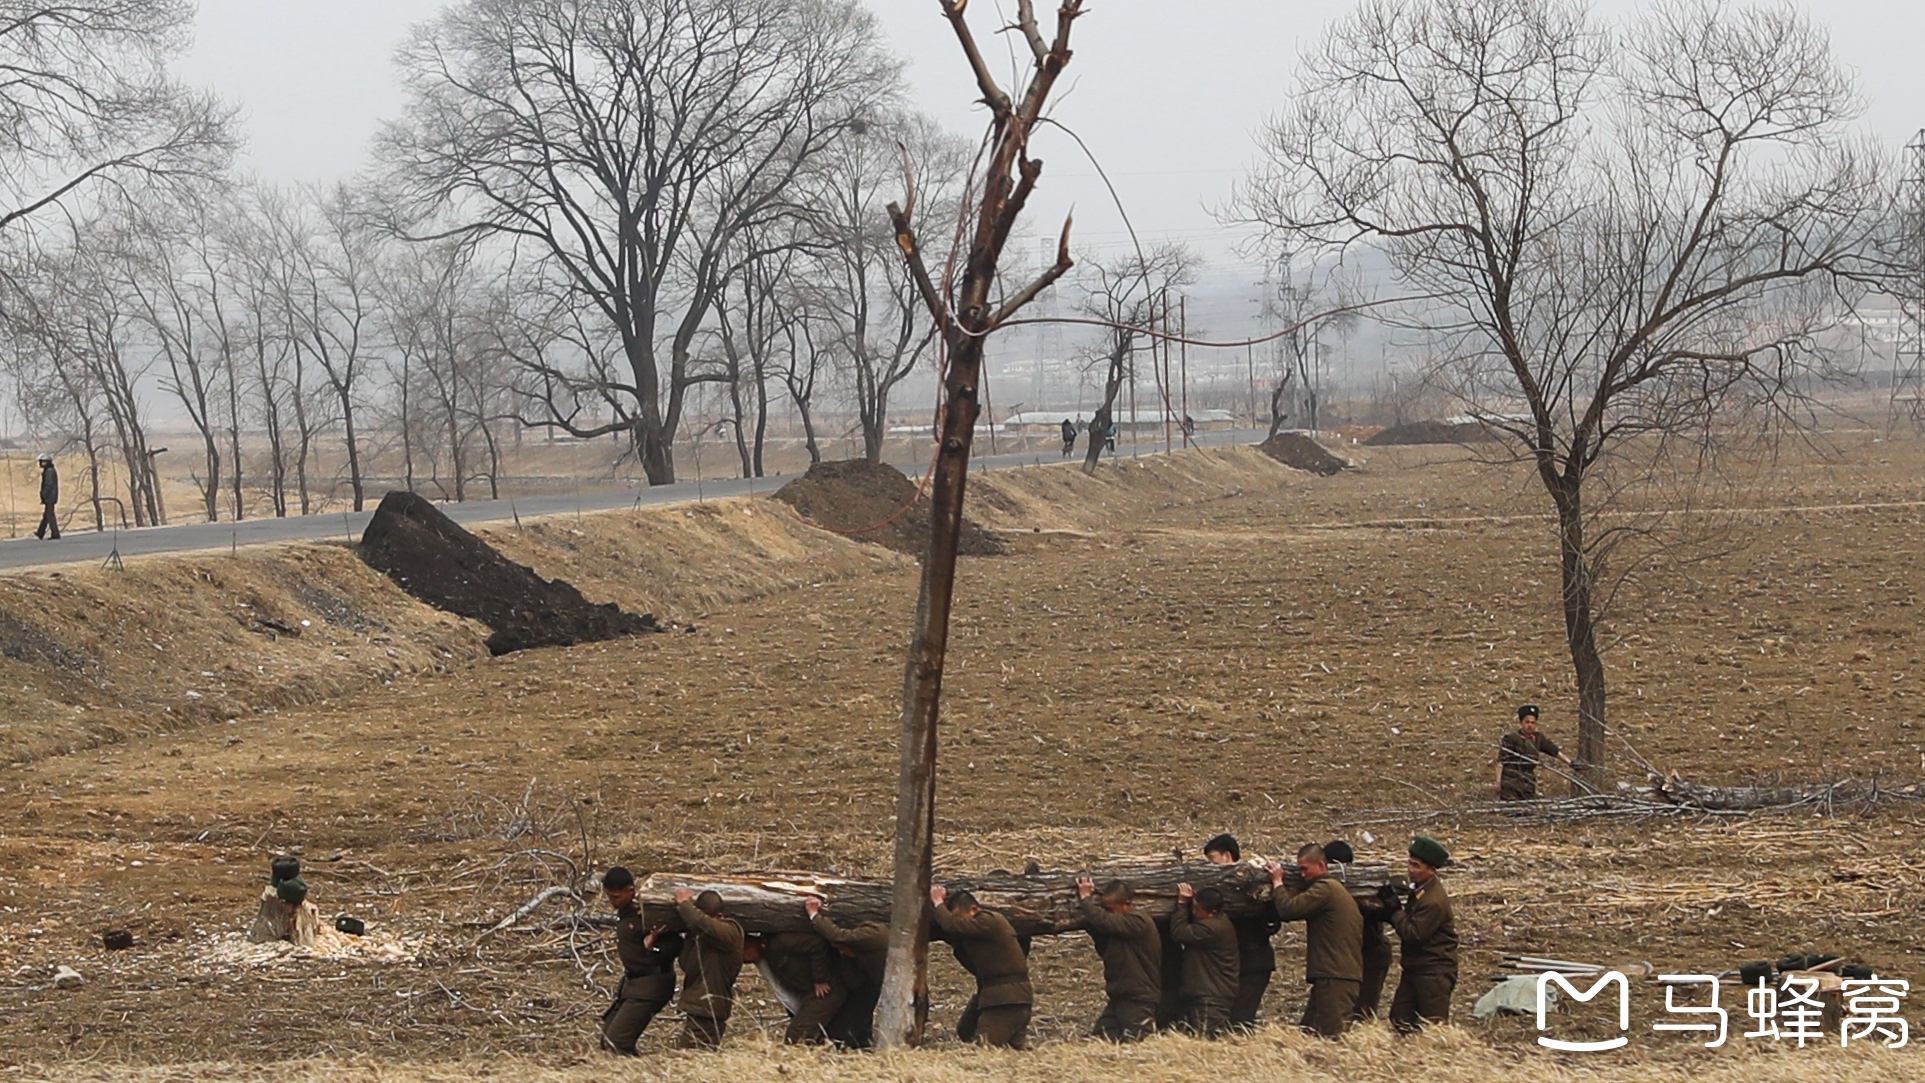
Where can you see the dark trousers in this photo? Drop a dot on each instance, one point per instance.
(49, 521)
(854, 1025)
(1371, 993)
(624, 1022)
(1251, 985)
(1125, 1020)
(701, 1032)
(1207, 1017)
(1005, 1026)
(810, 1025)
(1421, 998)
(1328, 1010)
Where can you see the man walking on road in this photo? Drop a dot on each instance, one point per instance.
(49, 499)
(1069, 437)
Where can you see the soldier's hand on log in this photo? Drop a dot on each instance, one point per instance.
(938, 894)
(812, 904)
(821, 989)
(1185, 892)
(1085, 887)
(683, 895)
(1276, 874)
(1389, 897)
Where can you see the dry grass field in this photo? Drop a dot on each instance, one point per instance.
(1173, 648)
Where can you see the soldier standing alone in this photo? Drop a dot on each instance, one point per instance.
(1518, 755)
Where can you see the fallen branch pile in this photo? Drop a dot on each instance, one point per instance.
(1661, 796)
(1036, 902)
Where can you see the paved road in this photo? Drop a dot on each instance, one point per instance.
(76, 547)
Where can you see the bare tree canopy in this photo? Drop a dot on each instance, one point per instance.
(1641, 229)
(86, 97)
(625, 144)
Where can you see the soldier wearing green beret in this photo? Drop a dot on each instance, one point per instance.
(1429, 938)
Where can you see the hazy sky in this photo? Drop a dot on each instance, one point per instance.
(1166, 92)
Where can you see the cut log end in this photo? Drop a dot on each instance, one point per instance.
(276, 920)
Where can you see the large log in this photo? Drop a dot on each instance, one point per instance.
(1036, 903)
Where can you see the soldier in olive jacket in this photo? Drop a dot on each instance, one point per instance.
(1209, 959)
(1333, 940)
(1429, 936)
(1132, 953)
(711, 959)
(861, 955)
(986, 946)
(648, 966)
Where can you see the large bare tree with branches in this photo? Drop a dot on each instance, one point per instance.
(966, 310)
(86, 100)
(626, 144)
(1640, 230)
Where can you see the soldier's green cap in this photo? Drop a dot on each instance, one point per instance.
(292, 892)
(1429, 851)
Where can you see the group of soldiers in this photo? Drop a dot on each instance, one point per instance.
(1203, 972)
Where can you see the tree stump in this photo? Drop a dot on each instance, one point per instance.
(277, 920)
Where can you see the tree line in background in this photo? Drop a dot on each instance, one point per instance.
(588, 210)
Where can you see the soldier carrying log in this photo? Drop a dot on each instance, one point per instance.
(986, 946)
(1209, 945)
(1132, 953)
(648, 956)
(861, 953)
(799, 966)
(711, 959)
(1333, 940)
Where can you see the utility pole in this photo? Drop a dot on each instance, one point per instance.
(1183, 355)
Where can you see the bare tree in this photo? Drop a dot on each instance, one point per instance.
(965, 315)
(857, 281)
(625, 144)
(1644, 228)
(1120, 294)
(85, 100)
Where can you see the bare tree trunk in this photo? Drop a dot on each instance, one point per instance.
(1009, 177)
(1580, 626)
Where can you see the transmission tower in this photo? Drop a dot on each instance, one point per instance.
(1908, 355)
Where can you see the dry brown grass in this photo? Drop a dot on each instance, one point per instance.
(1450, 1055)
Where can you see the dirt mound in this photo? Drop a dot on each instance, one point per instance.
(1429, 432)
(431, 557)
(867, 501)
(1293, 449)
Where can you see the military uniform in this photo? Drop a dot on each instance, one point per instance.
(1377, 954)
(1333, 956)
(1256, 961)
(1132, 952)
(1518, 755)
(1209, 969)
(986, 946)
(862, 953)
(648, 980)
(711, 959)
(1429, 936)
(799, 962)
